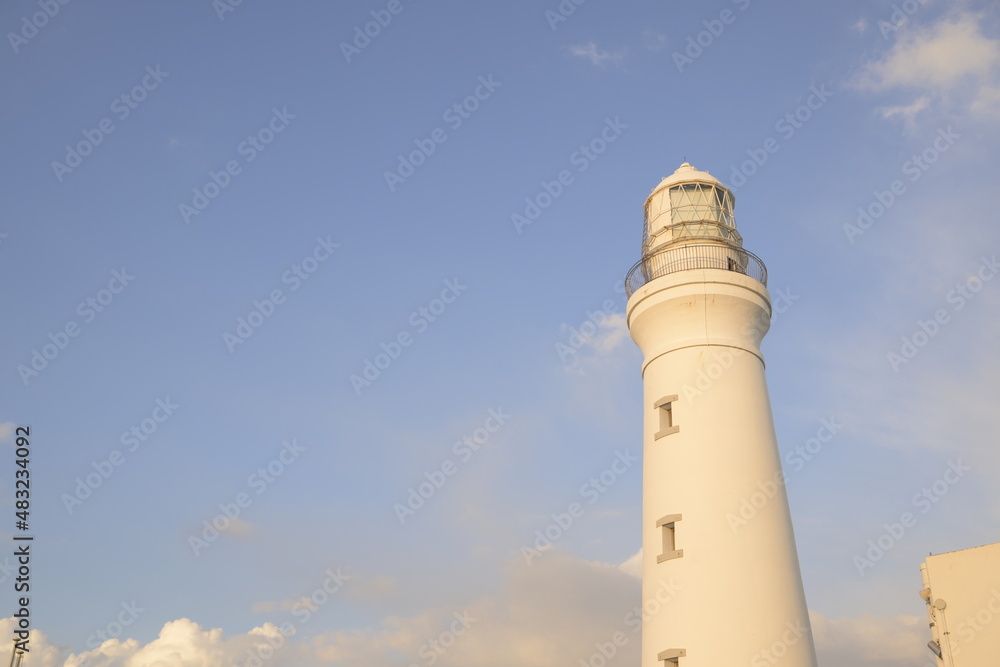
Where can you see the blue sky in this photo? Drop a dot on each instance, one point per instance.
(188, 168)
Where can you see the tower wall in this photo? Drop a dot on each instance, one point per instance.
(738, 590)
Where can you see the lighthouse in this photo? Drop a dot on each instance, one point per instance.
(715, 520)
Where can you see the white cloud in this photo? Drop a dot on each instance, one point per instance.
(545, 614)
(181, 643)
(596, 56)
(593, 341)
(654, 39)
(372, 588)
(240, 529)
(270, 606)
(7, 432)
(42, 652)
(364, 588)
(871, 641)
(613, 332)
(236, 529)
(988, 99)
(942, 56)
(951, 61)
(907, 112)
(633, 566)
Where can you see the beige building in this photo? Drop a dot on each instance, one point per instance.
(962, 592)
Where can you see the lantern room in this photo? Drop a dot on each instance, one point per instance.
(689, 206)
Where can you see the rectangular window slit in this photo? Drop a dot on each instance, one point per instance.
(668, 525)
(671, 657)
(665, 408)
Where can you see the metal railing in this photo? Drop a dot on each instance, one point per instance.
(683, 257)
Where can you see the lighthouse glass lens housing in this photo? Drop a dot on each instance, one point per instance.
(689, 211)
(701, 230)
(694, 202)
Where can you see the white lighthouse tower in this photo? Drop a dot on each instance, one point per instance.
(698, 308)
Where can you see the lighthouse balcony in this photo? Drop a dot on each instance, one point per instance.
(684, 257)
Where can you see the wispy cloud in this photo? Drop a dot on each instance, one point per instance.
(513, 625)
(873, 641)
(7, 431)
(654, 39)
(907, 112)
(596, 56)
(182, 642)
(593, 343)
(951, 61)
(633, 566)
(271, 606)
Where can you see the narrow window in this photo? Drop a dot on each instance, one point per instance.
(665, 406)
(671, 657)
(668, 525)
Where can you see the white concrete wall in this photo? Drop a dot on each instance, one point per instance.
(962, 589)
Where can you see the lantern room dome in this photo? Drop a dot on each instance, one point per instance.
(685, 174)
